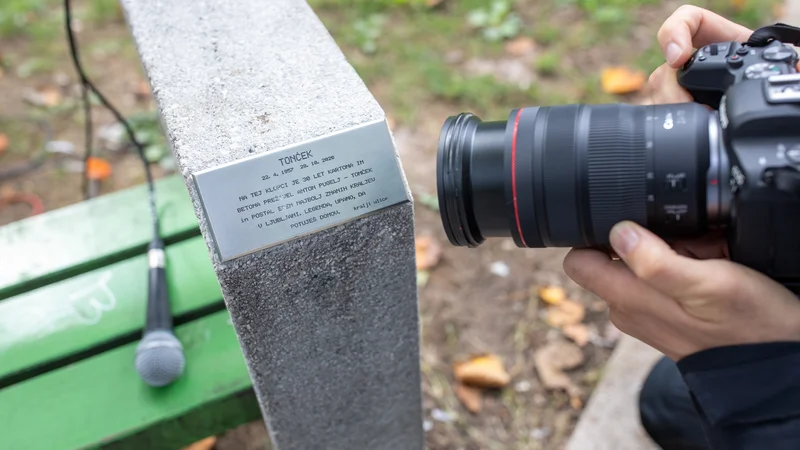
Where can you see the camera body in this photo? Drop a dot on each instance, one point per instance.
(756, 93)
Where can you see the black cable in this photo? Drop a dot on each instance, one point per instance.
(87, 107)
(159, 356)
(88, 85)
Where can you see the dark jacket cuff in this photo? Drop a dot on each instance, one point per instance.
(745, 384)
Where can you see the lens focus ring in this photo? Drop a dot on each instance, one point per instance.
(616, 164)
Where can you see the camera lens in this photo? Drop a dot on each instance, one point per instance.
(562, 176)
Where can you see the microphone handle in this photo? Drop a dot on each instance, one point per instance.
(159, 316)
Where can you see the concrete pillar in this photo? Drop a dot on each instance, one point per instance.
(256, 98)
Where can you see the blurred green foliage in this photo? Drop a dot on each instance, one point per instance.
(413, 50)
(32, 18)
(496, 21)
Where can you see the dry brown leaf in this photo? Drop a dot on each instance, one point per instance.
(428, 252)
(205, 444)
(578, 333)
(738, 4)
(568, 312)
(7, 191)
(142, 91)
(470, 397)
(3, 143)
(50, 96)
(97, 169)
(520, 46)
(483, 371)
(621, 80)
(551, 361)
(576, 402)
(553, 295)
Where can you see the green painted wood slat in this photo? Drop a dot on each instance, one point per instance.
(64, 242)
(71, 316)
(74, 406)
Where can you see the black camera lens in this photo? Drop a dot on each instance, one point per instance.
(562, 176)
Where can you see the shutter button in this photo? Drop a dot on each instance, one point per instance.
(735, 61)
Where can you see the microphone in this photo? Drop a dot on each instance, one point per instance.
(159, 355)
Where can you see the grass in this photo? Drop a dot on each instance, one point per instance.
(548, 63)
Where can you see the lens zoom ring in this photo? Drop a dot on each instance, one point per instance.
(616, 167)
(559, 167)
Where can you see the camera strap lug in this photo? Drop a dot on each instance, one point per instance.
(780, 31)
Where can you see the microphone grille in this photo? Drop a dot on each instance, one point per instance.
(159, 358)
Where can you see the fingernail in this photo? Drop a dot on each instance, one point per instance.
(673, 52)
(623, 238)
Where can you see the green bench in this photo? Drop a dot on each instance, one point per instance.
(73, 286)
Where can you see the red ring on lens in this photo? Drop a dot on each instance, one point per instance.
(514, 175)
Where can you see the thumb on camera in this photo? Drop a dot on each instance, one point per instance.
(653, 261)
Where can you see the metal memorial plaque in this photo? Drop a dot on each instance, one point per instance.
(270, 198)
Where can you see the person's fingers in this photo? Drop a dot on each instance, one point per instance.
(690, 27)
(653, 261)
(664, 87)
(610, 280)
(708, 247)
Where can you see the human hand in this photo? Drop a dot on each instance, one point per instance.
(681, 305)
(666, 296)
(689, 27)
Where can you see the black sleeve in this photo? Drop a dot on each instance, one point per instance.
(748, 396)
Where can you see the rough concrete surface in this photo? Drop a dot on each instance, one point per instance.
(611, 418)
(328, 323)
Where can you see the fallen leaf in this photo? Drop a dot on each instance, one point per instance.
(51, 96)
(568, 312)
(46, 97)
(422, 277)
(428, 252)
(738, 4)
(520, 46)
(482, 371)
(621, 80)
(6, 191)
(553, 295)
(470, 397)
(142, 91)
(576, 402)
(578, 333)
(97, 169)
(3, 143)
(205, 444)
(551, 361)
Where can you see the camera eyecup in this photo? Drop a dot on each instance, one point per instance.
(453, 180)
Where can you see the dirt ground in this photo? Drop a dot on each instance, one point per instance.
(475, 300)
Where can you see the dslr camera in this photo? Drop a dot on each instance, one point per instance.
(562, 176)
